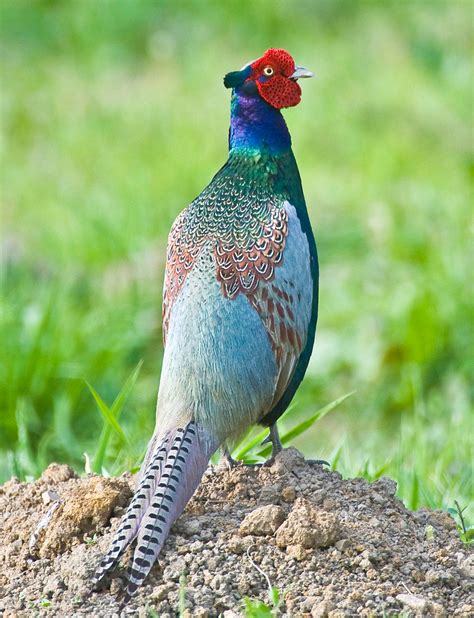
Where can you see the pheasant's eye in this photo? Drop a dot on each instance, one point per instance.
(268, 71)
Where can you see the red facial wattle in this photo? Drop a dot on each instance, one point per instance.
(280, 91)
(277, 89)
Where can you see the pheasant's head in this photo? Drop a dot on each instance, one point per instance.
(273, 77)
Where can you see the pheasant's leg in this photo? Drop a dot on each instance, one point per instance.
(277, 446)
(274, 436)
(228, 461)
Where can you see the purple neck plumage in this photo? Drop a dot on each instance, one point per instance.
(256, 126)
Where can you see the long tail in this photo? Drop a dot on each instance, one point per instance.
(169, 480)
(130, 523)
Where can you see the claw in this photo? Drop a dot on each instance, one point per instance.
(277, 446)
(321, 462)
(230, 463)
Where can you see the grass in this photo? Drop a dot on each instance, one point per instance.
(114, 117)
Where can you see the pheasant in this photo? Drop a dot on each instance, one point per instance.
(240, 306)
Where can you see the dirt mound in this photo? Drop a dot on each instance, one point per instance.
(332, 547)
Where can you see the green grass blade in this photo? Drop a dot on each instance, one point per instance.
(251, 444)
(414, 493)
(99, 457)
(25, 455)
(114, 411)
(126, 390)
(336, 457)
(256, 440)
(107, 412)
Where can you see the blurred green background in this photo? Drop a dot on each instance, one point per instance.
(114, 118)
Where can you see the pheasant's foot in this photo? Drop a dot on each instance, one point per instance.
(227, 461)
(277, 447)
(230, 463)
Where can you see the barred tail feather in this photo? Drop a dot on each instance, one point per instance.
(186, 462)
(130, 523)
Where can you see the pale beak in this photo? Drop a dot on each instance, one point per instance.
(301, 72)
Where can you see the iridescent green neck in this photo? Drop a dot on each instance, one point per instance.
(256, 126)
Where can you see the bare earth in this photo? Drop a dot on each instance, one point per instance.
(332, 547)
